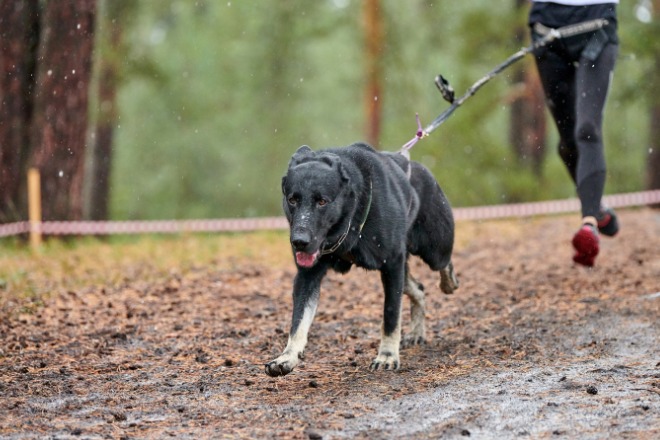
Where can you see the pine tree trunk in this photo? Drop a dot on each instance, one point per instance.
(653, 164)
(528, 124)
(527, 131)
(18, 42)
(60, 112)
(102, 147)
(373, 26)
(103, 138)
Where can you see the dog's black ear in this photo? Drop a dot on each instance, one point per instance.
(303, 149)
(343, 173)
(335, 162)
(330, 159)
(299, 155)
(301, 152)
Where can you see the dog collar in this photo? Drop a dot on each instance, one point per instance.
(339, 242)
(348, 229)
(366, 213)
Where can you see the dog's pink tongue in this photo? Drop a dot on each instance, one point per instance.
(306, 260)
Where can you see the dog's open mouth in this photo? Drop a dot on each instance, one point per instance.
(306, 260)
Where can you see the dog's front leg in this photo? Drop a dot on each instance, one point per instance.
(306, 292)
(415, 292)
(392, 275)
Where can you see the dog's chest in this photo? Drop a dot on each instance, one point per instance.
(365, 255)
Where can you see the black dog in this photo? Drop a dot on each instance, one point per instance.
(355, 205)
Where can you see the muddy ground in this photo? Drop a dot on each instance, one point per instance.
(530, 346)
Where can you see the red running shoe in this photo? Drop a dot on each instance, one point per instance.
(585, 242)
(608, 224)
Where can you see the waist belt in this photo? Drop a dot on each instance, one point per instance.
(596, 35)
(572, 30)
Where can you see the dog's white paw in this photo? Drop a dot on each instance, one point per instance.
(282, 366)
(385, 361)
(448, 279)
(413, 339)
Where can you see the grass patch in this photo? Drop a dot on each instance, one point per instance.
(62, 265)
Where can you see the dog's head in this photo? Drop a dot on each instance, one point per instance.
(315, 192)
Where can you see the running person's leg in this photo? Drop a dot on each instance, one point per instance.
(576, 99)
(592, 81)
(558, 79)
(592, 85)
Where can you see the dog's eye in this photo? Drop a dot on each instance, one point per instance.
(292, 200)
(322, 202)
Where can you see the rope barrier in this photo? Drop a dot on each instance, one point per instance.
(553, 206)
(18, 228)
(516, 210)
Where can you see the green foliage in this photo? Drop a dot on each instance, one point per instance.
(215, 97)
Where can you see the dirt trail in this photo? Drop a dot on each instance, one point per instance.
(530, 346)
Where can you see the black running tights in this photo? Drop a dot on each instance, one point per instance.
(576, 95)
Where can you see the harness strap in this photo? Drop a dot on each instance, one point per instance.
(405, 149)
(366, 213)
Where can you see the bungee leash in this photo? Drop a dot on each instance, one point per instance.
(547, 36)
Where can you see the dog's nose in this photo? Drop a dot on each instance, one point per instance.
(299, 244)
(300, 241)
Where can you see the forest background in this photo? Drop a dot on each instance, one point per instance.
(191, 109)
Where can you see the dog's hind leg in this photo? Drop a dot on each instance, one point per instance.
(415, 291)
(448, 279)
(306, 292)
(393, 278)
